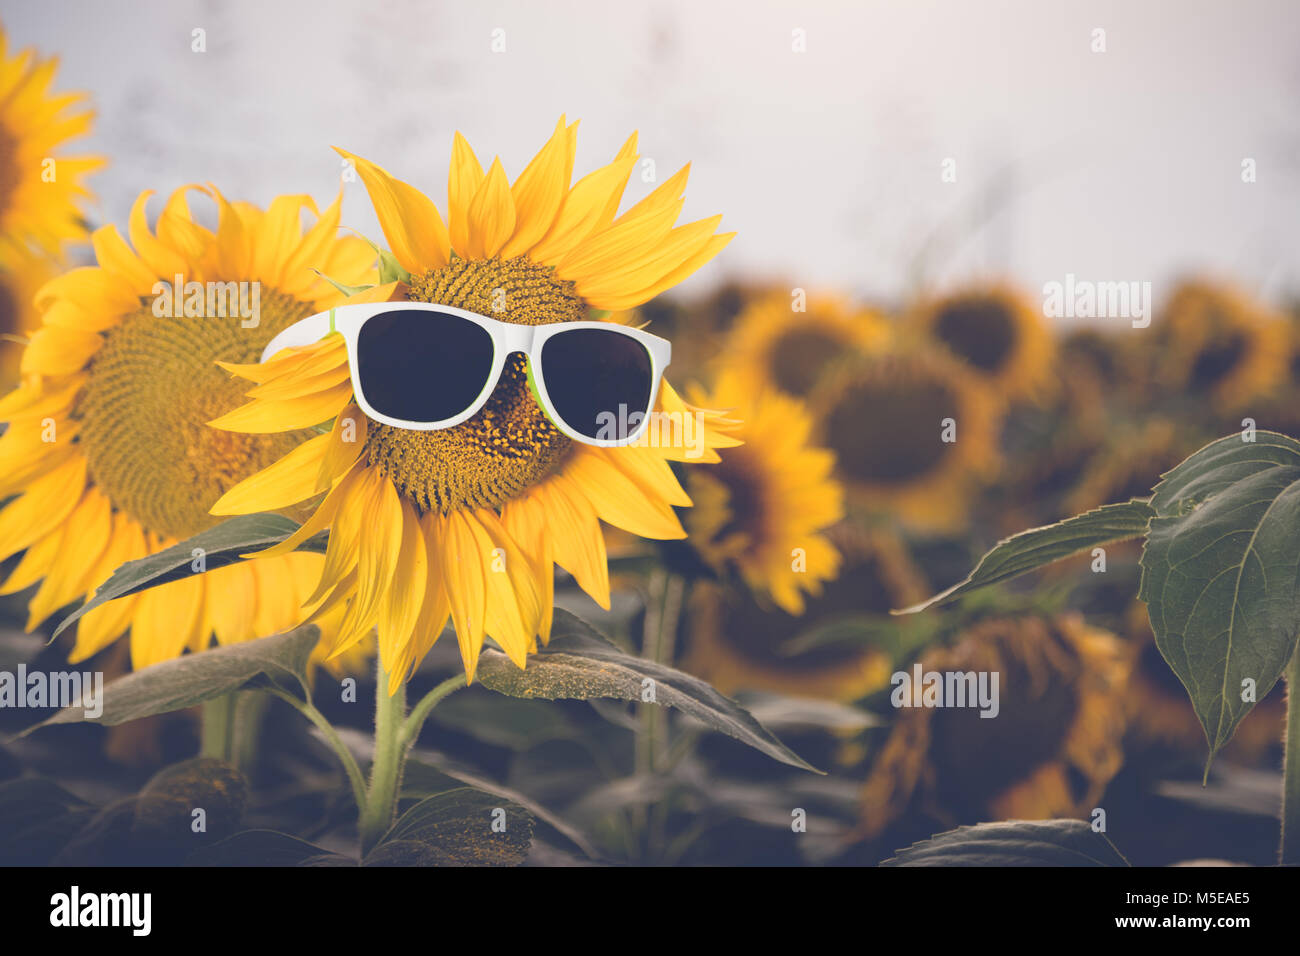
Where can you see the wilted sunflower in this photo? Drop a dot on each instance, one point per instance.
(738, 644)
(40, 192)
(468, 521)
(772, 345)
(996, 332)
(1211, 339)
(1051, 750)
(913, 433)
(19, 281)
(759, 512)
(107, 443)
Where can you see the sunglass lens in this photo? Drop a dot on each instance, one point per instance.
(598, 381)
(422, 366)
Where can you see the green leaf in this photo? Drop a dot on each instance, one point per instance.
(1221, 574)
(579, 664)
(348, 290)
(261, 848)
(1014, 843)
(1037, 547)
(37, 817)
(221, 545)
(194, 678)
(460, 827)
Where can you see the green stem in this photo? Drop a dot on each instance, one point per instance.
(216, 727)
(1291, 768)
(380, 806)
(308, 710)
(420, 712)
(246, 728)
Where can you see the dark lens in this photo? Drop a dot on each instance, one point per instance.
(598, 381)
(422, 366)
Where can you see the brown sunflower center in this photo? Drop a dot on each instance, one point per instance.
(153, 387)
(981, 331)
(1218, 360)
(509, 444)
(887, 429)
(1038, 674)
(800, 356)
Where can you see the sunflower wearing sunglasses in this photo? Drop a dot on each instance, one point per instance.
(486, 422)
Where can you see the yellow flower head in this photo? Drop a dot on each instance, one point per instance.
(791, 341)
(997, 333)
(40, 191)
(467, 522)
(1052, 749)
(761, 510)
(738, 644)
(913, 431)
(107, 445)
(1214, 340)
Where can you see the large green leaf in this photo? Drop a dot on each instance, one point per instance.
(221, 545)
(579, 664)
(1037, 547)
(194, 678)
(459, 827)
(1014, 843)
(37, 817)
(261, 848)
(1221, 574)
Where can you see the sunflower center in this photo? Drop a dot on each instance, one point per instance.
(1038, 700)
(889, 432)
(981, 331)
(1217, 360)
(509, 445)
(799, 358)
(153, 386)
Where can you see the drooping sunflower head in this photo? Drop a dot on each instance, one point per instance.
(912, 430)
(759, 513)
(738, 643)
(790, 341)
(467, 522)
(1213, 340)
(40, 190)
(996, 332)
(107, 445)
(1050, 751)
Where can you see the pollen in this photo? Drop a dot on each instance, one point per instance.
(509, 444)
(152, 389)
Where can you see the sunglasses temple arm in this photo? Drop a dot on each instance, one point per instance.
(303, 332)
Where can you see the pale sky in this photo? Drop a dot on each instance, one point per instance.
(1122, 165)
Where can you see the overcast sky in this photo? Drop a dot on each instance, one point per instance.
(1117, 165)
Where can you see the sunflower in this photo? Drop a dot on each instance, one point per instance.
(107, 444)
(40, 192)
(772, 345)
(467, 522)
(19, 317)
(1051, 750)
(738, 644)
(996, 332)
(760, 511)
(1129, 464)
(1212, 339)
(913, 432)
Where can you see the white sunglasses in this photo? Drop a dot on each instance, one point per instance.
(423, 366)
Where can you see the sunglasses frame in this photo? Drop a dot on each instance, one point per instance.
(507, 339)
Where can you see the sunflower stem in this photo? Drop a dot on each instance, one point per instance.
(1291, 767)
(216, 727)
(246, 728)
(420, 712)
(663, 613)
(386, 771)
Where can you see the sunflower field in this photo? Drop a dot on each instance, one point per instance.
(520, 525)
